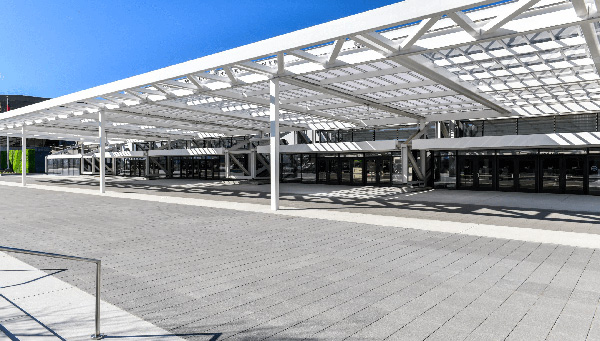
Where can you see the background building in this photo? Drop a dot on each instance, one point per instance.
(41, 147)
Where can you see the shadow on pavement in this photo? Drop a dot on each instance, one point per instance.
(56, 271)
(351, 199)
(31, 317)
(214, 336)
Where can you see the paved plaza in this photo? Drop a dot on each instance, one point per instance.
(231, 270)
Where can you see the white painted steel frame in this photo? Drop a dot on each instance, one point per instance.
(227, 78)
(407, 63)
(102, 141)
(23, 157)
(274, 142)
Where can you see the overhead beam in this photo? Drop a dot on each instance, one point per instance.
(230, 75)
(373, 45)
(581, 8)
(214, 77)
(507, 13)
(34, 133)
(147, 90)
(335, 51)
(286, 107)
(257, 67)
(382, 101)
(350, 97)
(114, 132)
(308, 56)
(163, 122)
(589, 31)
(390, 87)
(593, 45)
(211, 111)
(389, 44)
(178, 84)
(427, 68)
(161, 89)
(423, 27)
(196, 124)
(464, 22)
(479, 114)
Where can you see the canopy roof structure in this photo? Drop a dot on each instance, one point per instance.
(406, 63)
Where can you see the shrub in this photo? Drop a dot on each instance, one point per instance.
(15, 157)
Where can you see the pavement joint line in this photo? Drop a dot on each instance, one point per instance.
(575, 239)
(338, 271)
(413, 271)
(369, 246)
(427, 277)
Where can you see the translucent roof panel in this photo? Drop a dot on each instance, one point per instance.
(406, 63)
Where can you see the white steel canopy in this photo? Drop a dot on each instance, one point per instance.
(411, 62)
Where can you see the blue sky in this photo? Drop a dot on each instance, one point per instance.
(53, 48)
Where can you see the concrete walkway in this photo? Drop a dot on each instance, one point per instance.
(229, 268)
(34, 305)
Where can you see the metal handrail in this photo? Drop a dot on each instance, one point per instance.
(96, 336)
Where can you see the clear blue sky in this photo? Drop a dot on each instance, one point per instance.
(53, 48)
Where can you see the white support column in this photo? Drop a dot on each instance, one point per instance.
(227, 165)
(23, 157)
(7, 152)
(423, 163)
(169, 170)
(404, 155)
(102, 139)
(274, 140)
(252, 164)
(147, 163)
(81, 162)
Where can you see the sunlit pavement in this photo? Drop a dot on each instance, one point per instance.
(244, 273)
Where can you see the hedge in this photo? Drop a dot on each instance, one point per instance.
(15, 157)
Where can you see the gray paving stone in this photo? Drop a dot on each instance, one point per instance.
(250, 276)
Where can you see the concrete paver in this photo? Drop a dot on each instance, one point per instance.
(216, 273)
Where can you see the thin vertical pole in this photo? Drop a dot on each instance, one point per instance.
(82, 161)
(227, 165)
(169, 170)
(101, 136)
(7, 152)
(98, 274)
(274, 141)
(23, 157)
(404, 154)
(147, 163)
(252, 164)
